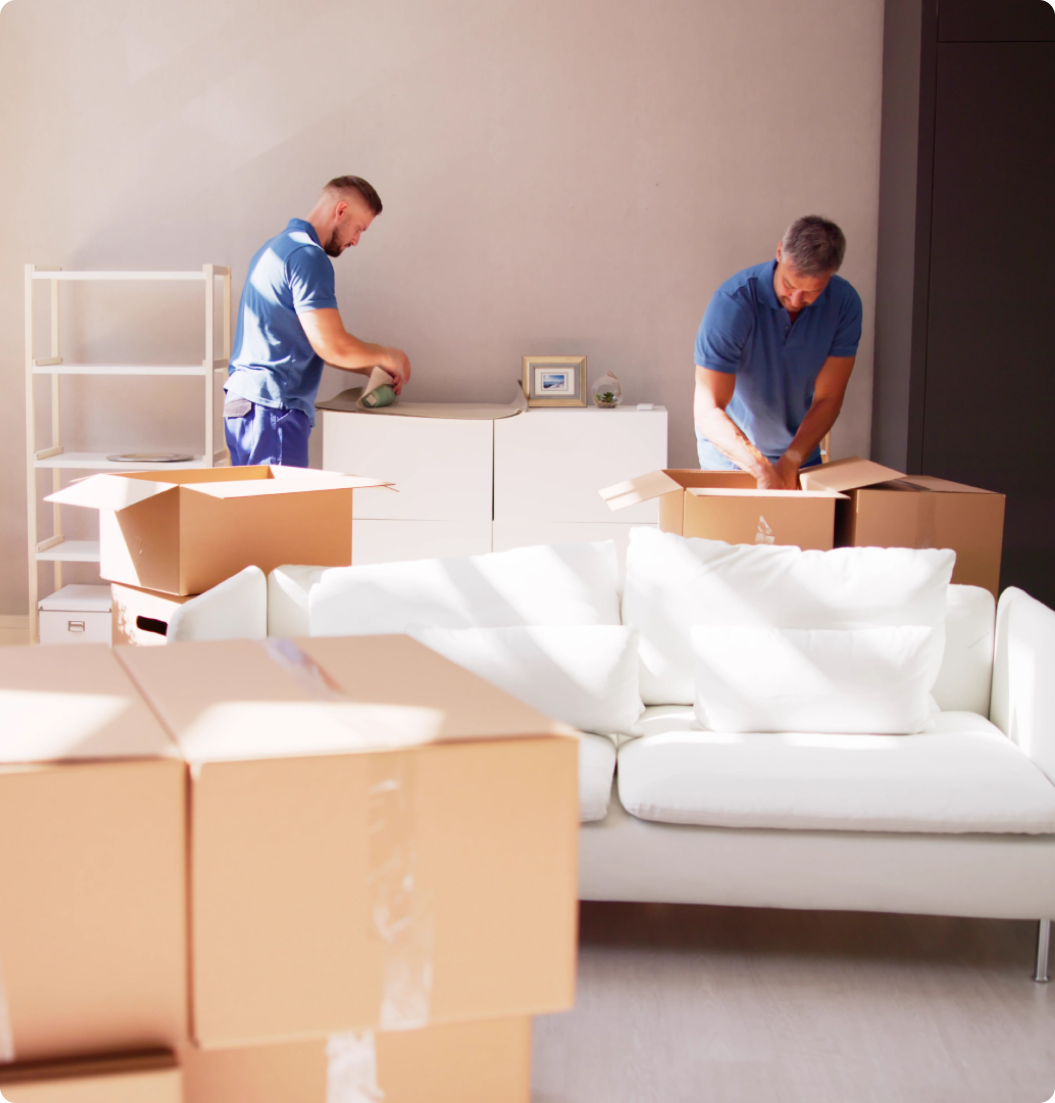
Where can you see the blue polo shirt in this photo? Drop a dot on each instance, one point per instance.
(273, 363)
(747, 333)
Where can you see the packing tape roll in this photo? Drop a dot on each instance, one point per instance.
(401, 914)
(351, 1069)
(7, 1035)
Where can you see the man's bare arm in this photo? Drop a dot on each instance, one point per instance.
(330, 340)
(714, 391)
(829, 390)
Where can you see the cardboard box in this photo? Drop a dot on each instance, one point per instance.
(141, 617)
(726, 505)
(92, 866)
(379, 838)
(485, 1062)
(75, 614)
(887, 509)
(151, 1078)
(186, 533)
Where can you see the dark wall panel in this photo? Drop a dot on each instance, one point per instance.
(989, 406)
(996, 21)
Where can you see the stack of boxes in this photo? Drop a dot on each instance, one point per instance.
(332, 870)
(162, 542)
(849, 503)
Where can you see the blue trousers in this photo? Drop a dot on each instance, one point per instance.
(265, 435)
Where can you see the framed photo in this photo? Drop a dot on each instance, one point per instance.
(555, 380)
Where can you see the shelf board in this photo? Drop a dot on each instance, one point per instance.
(97, 461)
(71, 551)
(121, 369)
(62, 275)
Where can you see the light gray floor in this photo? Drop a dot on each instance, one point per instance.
(730, 1005)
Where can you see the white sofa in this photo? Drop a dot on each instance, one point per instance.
(959, 820)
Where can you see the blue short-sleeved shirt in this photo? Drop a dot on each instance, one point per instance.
(747, 332)
(273, 363)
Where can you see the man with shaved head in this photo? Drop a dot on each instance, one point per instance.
(289, 327)
(774, 354)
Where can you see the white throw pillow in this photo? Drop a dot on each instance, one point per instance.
(585, 675)
(874, 681)
(674, 582)
(546, 584)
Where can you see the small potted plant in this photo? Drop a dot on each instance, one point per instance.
(607, 392)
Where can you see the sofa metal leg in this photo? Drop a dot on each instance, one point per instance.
(1043, 940)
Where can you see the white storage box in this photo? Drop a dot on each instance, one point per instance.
(76, 614)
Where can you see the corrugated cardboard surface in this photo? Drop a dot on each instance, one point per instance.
(92, 859)
(926, 514)
(394, 845)
(131, 1080)
(139, 616)
(480, 1062)
(726, 505)
(189, 532)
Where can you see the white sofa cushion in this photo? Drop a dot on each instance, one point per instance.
(965, 776)
(545, 584)
(288, 590)
(855, 680)
(235, 609)
(674, 582)
(585, 675)
(966, 674)
(596, 770)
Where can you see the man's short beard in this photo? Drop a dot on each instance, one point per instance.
(332, 248)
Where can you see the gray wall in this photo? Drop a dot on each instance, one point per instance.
(559, 176)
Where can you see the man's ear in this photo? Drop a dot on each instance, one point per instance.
(339, 210)
(780, 249)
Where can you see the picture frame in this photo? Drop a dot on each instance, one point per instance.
(555, 380)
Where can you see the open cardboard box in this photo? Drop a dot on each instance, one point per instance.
(92, 866)
(379, 838)
(145, 1078)
(887, 509)
(473, 1062)
(726, 505)
(189, 531)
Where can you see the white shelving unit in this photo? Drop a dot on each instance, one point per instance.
(56, 549)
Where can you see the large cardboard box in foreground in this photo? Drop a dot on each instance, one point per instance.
(888, 509)
(477, 1062)
(726, 505)
(148, 1079)
(192, 529)
(151, 1078)
(92, 860)
(379, 838)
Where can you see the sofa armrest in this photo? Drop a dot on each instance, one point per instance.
(1023, 700)
(236, 609)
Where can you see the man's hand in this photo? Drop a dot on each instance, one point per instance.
(398, 366)
(787, 470)
(769, 477)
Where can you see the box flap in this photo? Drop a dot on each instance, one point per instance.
(737, 492)
(108, 492)
(848, 474)
(944, 486)
(73, 703)
(275, 698)
(642, 489)
(286, 480)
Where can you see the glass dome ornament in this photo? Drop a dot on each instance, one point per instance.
(607, 392)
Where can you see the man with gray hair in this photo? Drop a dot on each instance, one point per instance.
(774, 354)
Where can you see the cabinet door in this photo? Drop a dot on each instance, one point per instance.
(550, 465)
(443, 470)
(397, 540)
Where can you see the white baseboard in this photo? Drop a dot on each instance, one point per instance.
(14, 630)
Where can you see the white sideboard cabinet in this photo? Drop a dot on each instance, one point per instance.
(468, 487)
